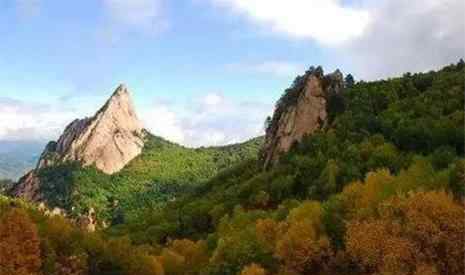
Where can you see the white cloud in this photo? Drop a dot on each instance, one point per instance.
(276, 68)
(211, 120)
(213, 99)
(414, 35)
(29, 121)
(377, 38)
(160, 119)
(325, 21)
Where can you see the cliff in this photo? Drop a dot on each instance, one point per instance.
(109, 140)
(301, 111)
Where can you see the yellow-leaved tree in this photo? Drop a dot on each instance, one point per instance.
(19, 244)
(421, 234)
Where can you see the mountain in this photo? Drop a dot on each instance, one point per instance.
(17, 157)
(388, 161)
(108, 140)
(301, 111)
(376, 188)
(110, 157)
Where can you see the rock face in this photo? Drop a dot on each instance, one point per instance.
(28, 187)
(108, 140)
(300, 112)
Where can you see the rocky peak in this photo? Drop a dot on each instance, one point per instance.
(109, 140)
(301, 111)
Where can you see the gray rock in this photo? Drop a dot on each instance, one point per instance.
(109, 140)
(303, 117)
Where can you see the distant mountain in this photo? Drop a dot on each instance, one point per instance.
(17, 157)
(110, 157)
(362, 178)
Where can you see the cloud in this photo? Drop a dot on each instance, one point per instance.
(377, 38)
(414, 35)
(327, 22)
(163, 121)
(276, 68)
(212, 120)
(30, 121)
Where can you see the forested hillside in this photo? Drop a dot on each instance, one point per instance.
(161, 171)
(389, 163)
(378, 190)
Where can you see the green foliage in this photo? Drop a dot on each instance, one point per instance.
(163, 170)
(5, 185)
(393, 138)
(378, 191)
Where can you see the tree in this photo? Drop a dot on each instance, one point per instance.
(304, 248)
(253, 269)
(5, 185)
(442, 157)
(19, 244)
(460, 64)
(423, 232)
(377, 248)
(349, 81)
(268, 122)
(457, 179)
(185, 257)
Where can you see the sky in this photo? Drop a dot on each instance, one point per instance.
(202, 72)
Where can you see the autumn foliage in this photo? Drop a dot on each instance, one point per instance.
(378, 191)
(253, 269)
(19, 244)
(421, 234)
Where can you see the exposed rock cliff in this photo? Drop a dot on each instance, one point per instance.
(108, 140)
(28, 187)
(301, 111)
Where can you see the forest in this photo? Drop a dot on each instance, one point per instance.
(379, 190)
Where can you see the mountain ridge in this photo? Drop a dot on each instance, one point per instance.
(109, 139)
(388, 162)
(110, 156)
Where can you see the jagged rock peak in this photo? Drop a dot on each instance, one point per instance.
(108, 140)
(300, 111)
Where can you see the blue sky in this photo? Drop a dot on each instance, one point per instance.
(202, 72)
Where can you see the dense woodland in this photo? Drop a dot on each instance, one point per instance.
(379, 190)
(157, 175)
